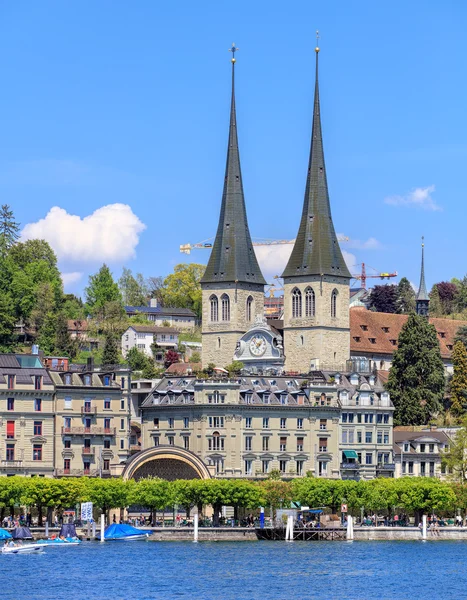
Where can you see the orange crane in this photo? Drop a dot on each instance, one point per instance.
(362, 276)
(187, 248)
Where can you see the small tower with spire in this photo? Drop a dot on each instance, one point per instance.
(232, 285)
(422, 300)
(316, 278)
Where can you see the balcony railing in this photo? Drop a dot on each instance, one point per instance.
(87, 450)
(350, 466)
(89, 410)
(12, 464)
(385, 467)
(76, 472)
(93, 430)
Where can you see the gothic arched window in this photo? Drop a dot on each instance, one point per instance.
(249, 308)
(296, 303)
(310, 300)
(225, 307)
(334, 303)
(214, 308)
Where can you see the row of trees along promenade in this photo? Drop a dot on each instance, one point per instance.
(411, 495)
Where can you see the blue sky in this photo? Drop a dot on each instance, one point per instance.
(116, 103)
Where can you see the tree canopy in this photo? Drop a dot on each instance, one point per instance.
(101, 290)
(416, 379)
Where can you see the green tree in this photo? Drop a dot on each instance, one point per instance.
(234, 368)
(73, 308)
(106, 494)
(276, 493)
(110, 354)
(64, 344)
(436, 309)
(461, 335)
(458, 382)
(101, 290)
(153, 493)
(416, 379)
(7, 323)
(455, 456)
(405, 297)
(134, 290)
(11, 490)
(9, 228)
(195, 357)
(182, 288)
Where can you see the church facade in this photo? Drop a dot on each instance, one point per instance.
(299, 405)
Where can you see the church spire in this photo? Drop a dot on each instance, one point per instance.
(316, 250)
(233, 257)
(423, 300)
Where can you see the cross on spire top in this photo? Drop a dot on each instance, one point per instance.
(233, 50)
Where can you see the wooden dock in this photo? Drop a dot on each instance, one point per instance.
(304, 535)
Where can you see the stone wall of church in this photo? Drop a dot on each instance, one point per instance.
(322, 336)
(220, 337)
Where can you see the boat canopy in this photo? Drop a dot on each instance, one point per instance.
(350, 454)
(68, 530)
(4, 534)
(117, 531)
(21, 533)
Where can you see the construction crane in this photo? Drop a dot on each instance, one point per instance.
(187, 248)
(362, 276)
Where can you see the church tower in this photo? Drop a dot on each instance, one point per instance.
(423, 300)
(316, 278)
(232, 285)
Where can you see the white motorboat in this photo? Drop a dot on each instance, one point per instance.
(22, 549)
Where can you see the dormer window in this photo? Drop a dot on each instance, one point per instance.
(372, 340)
(385, 329)
(393, 342)
(106, 380)
(364, 327)
(11, 382)
(87, 380)
(406, 447)
(68, 379)
(442, 334)
(284, 399)
(357, 338)
(354, 379)
(266, 398)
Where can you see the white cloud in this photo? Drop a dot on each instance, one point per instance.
(70, 278)
(110, 234)
(419, 197)
(273, 259)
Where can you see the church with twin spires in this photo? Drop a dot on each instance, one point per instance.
(316, 330)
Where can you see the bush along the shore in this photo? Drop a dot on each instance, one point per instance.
(384, 496)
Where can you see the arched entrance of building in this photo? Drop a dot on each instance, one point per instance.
(166, 462)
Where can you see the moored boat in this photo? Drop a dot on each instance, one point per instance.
(22, 549)
(117, 532)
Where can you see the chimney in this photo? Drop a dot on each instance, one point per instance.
(153, 303)
(90, 363)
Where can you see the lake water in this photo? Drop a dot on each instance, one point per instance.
(239, 570)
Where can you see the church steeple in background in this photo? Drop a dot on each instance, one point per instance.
(422, 300)
(316, 250)
(233, 257)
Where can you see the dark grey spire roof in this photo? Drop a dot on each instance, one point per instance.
(233, 257)
(422, 293)
(316, 250)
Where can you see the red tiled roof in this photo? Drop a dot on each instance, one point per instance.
(376, 332)
(182, 368)
(77, 324)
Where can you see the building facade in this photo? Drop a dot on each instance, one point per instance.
(366, 427)
(419, 453)
(92, 422)
(144, 336)
(26, 417)
(180, 318)
(248, 427)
